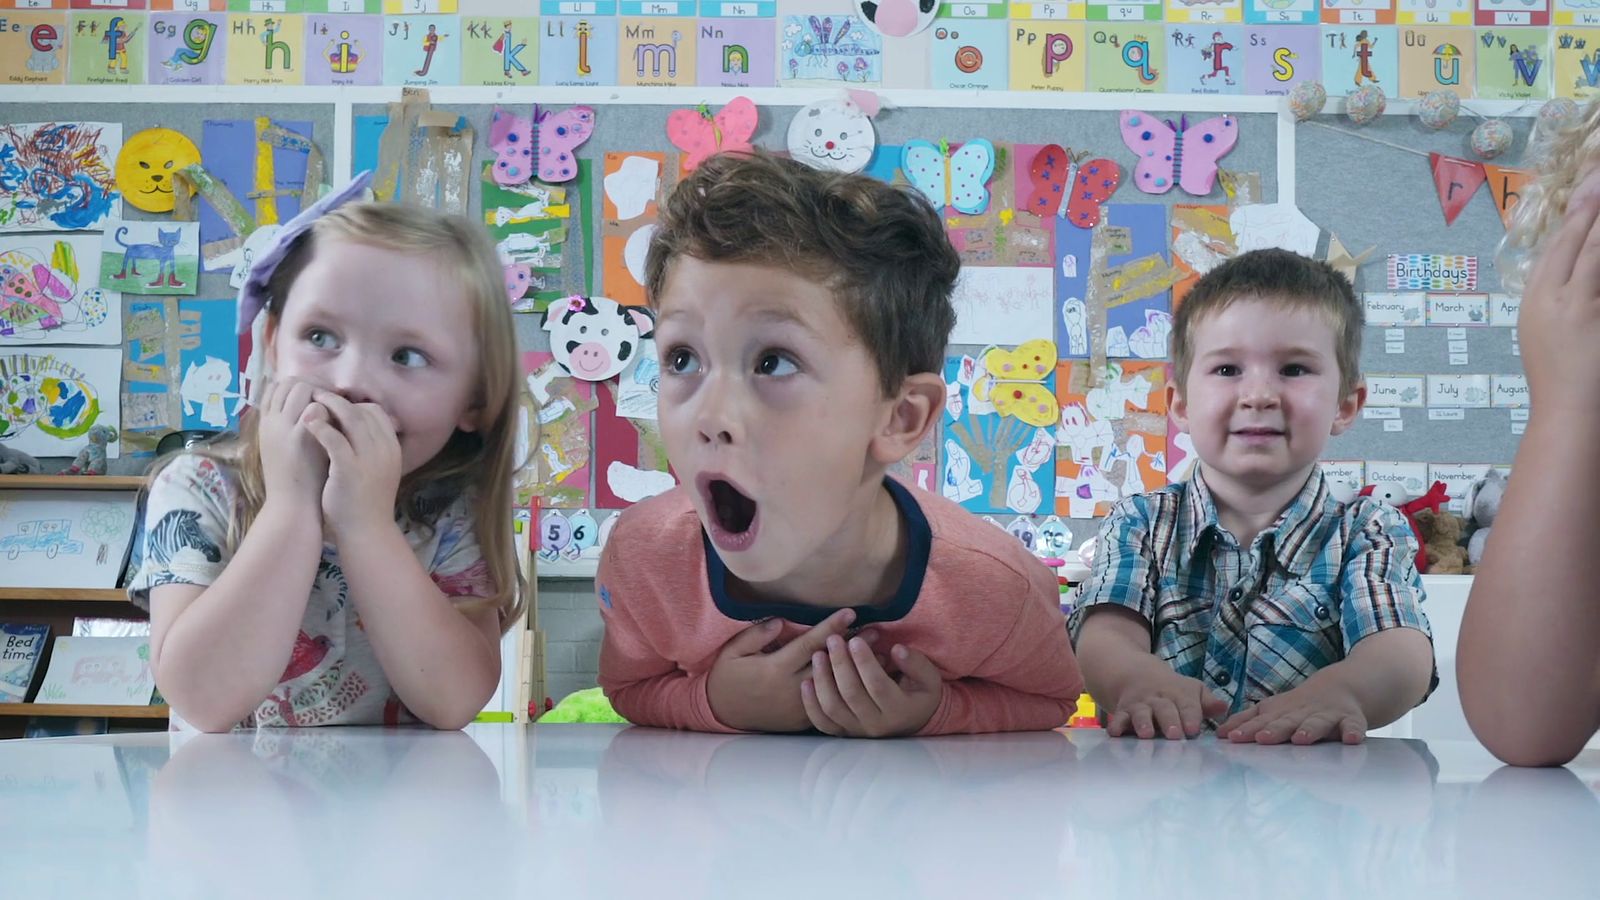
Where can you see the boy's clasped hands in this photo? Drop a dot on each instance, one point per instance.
(822, 679)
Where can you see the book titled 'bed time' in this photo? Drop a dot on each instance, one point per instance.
(20, 648)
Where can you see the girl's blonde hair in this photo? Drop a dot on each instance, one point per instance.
(479, 464)
(1543, 204)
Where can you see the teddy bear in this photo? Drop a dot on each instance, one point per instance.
(15, 462)
(1483, 503)
(1441, 541)
(91, 459)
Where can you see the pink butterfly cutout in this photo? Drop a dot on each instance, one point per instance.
(558, 138)
(551, 138)
(1178, 154)
(699, 134)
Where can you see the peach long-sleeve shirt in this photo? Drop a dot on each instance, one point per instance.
(983, 609)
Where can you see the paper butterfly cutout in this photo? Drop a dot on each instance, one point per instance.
(543, 144)
(958, 180)
(699, 134)
(1179, 153)
(1092, 184)
(1013, 382)
(518, 278)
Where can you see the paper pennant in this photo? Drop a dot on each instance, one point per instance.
(1456, 180)
(1505, 185)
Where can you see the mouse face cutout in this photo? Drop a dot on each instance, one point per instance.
(835, 135)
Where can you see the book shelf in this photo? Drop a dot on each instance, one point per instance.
(58, 607)
(24, 710)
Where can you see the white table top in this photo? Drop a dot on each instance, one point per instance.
(596, 811)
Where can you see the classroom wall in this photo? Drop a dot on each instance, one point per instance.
(1366, 186)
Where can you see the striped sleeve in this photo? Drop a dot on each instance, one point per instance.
(1124, 570)
(1381, 588)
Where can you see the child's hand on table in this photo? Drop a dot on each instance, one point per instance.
(1160, 702)
(1320, 709)
(753, 690)
(851, 694)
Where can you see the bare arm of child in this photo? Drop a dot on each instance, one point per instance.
(1526, 661)
(219, 650)
(1382, 677)
(1141, 693)
(442, 661)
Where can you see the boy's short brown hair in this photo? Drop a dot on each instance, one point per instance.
(1282, 278)
(880, 249)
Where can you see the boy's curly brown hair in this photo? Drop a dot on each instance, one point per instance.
(880, 249)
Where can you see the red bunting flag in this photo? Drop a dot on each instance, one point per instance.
(1505, 185)
(1456, 180)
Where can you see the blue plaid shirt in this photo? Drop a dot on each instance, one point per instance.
(1253, 622)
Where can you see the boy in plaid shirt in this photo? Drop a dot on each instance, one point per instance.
(1249, 598)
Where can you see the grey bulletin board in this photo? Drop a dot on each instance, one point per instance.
(644, 128)
(1368, 193)
(1354, 184)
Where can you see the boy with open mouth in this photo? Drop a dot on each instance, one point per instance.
(789, 583)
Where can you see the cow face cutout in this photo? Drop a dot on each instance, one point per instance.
(898, 18)
(595, 338)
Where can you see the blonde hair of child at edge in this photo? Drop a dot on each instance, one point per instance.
(479, 463)
(1562, 161)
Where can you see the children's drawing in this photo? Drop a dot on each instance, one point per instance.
(831, 49)
(57, 176)
(150, 257)
(993, 463)
(263, 163)
(559, 473)
(835, 134)
(147, 164)
(629, 458)
(957, 179)
(64, 539)
(1129, 284)
(632, 182)
(112, 671)
(49, 292)
(50, 398)
(529, 222)
(1112, 438)
(631, 187)
(1177, 154)
(1202, 239)
(639, 386)
(595, 338)
(699, 133)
